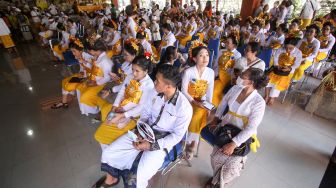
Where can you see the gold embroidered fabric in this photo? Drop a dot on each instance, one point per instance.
(275, 45)
(122, 76)
(306, 49)
(212, 33)
(115, 47)
(226, 61)
(197, 89)
(285, 60)
(324, 41)
(132, 93)
(95, 71)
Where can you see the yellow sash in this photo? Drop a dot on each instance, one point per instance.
(226, 61)
(132, 93)
(275, 45)
(254, 145)
(197, 89)
(122, 76)
(306, 49)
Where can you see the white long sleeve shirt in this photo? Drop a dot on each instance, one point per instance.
(308, 9)
(169, 39)
(105, 64)
(253, 107)
(296, 53)
(132, 109)
(191, 74)
(131, 33)
(126, 67)
(175, 118)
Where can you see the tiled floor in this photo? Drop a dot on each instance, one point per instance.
(61, 152)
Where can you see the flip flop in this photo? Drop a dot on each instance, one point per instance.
(101, 183)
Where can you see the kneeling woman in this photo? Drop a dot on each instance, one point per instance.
(197, 86)
(246, 110)
(99, 76)
(70, 84)
(128, 104)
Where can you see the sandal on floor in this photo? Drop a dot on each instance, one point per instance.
(59, 105)
(101, 183)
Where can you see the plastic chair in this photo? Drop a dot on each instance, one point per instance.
(195, 37)
(211, 58)
(266, 55)
(213, 44)
(186, 48)
(173, 159)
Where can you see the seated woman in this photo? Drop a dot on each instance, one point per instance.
(286, 60)
(168, 38)
(63, 45)
(249, 60)
(277, 40)
(143, 27)
(132, 48)
(69, 84)
(185, 36)
(256, 34)
(327, 41)
(309, 47)
(294, 29)
(113, 39)
(99, 76)
(142, 37)
(197, 86)
(225, 68)
(245, 111)
(128, 104)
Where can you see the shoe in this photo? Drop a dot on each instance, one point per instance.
(59, 105)
(101, 183)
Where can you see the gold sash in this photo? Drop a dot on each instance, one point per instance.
(285, 60)
(197, 89)
(324, 41)
(306, 49)
(95, 71)
(132, 93)
(226, 61)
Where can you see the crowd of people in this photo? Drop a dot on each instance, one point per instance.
(155, 66)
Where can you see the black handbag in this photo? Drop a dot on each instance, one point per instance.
(276, 71)
(224, 136)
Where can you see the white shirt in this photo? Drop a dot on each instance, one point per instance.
(241, 64)
(73, 30)
(149, 34)
(169, 39)
(260, 37)
(295, 53)
(105, 64)
(4, 30)
(134, 110)
(308, 9)
(175, 117)
(191, 74)
(253, 107)
(87, 63)
(194, 25)
(282, 16)
(156, 31)
(275, 38)
(147, 46)
(116, 38)
(131, 31)
(315, 45)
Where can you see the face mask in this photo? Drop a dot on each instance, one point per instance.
(240, 83)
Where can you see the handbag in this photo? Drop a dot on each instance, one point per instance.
(224, 136)
(276, 71)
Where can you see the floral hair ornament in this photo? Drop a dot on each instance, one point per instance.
(76, 41)
(134, 43)
(148, 55)
(194, 44)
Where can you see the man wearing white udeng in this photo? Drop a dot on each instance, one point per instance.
(169, 113)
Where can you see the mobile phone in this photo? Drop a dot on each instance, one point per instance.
(132, 136)
(208, 105)
(110, 116)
